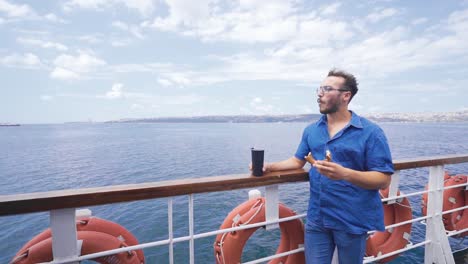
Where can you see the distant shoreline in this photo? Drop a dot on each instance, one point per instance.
(448, 117)
(279, 122)
(390, 117)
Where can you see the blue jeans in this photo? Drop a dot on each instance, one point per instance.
(320, 244)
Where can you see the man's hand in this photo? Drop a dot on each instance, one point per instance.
(266, 167)
(292, 163)
(332, 170)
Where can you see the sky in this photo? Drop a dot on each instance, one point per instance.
(99, 60)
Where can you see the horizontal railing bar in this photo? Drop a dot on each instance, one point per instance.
(182, 239)
(456, 209)
(120, 250)
(397, 251)
(420, 218)
(403, 196)
(287, 253)
(405, 164)
(453, 233)
(402, 223)
(232, 229)
(212, 233)
(455, 186)
(408, 222)
(421, 192)
(75, 198)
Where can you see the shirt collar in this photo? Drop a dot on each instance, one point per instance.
(355, 120)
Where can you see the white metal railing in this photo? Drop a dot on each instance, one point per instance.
(437, 246)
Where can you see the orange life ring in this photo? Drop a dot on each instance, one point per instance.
(463, 222)
(94, 224)
(452, 198)
(92, 242)
(380, 243)
(228, 246)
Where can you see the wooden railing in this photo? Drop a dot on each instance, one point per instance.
(73, 198)
(62, 205)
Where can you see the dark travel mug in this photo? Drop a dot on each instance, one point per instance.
(257, 161)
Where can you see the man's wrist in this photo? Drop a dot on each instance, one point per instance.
(348, 175)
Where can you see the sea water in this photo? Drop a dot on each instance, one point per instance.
(37, 158)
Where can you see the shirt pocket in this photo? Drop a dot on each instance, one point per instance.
(349, 155)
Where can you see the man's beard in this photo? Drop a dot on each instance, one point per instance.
(330, 110)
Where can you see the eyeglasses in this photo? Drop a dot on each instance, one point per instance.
(327, 89)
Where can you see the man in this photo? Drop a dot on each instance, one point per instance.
(344, 201)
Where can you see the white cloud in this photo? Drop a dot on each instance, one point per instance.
(63, 74)
(330, 9)
(144, 7)
(183, 13)
(419, 21)
(74, 67)
(115, 92)
(424, 100)
(321, 32)
(392, 51)
(137, 107)
(43, 44)
(256, 100)
(458, 22)
(19, 12)
(46, 97)
(143, 67)
(54, 18)
(121, 42)
(83, 62)
(179, 78)
(305, 45)
(91, 39)
(246, 22)
(132, 29)
(318, 44)
(179, 99)
(164, 82)
(13, 10)
(26, 60)
(382, 14)
(251, 22)
(140, 100)
(260, 107)
(120, 25)
(305, 109)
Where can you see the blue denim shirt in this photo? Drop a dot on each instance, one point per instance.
(339, 204)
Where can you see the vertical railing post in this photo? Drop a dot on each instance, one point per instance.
(272, 205)
(438, 250)
(170, 227)
(64, 238)
(393, 188)
(191, 242)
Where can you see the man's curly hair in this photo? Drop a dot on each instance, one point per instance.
(350, 80)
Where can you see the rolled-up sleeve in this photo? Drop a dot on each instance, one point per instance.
(378, 156)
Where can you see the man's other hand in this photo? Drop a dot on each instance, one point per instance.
(332, 170)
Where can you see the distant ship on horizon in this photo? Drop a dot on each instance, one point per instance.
(9, 124)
